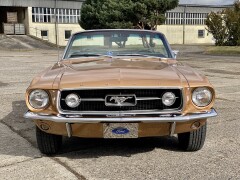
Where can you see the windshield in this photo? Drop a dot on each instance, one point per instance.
(118, 43)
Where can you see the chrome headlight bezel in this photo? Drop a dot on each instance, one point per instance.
(168, 99)
(202, 92)
(73, 96)
(41, 98)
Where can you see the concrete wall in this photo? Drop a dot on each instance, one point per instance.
(174, 34)
(34, 29)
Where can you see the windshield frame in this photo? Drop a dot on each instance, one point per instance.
(71, 40)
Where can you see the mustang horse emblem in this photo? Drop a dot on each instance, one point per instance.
(119, 100)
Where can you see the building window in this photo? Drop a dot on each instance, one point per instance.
(178, 18)
(201, 33)
(68, 34)
(44, 34)
(174, 18)
(47, 15)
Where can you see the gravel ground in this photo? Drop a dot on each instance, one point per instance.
(147, 158)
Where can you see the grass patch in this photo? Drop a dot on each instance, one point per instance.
(223, 50)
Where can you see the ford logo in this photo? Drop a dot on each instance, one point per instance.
(120, 130)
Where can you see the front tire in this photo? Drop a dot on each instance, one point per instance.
(193, 141)
(48, 143)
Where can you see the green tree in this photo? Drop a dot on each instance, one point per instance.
(116, 14)
(225, 26)
(216, 26)
(232, 21)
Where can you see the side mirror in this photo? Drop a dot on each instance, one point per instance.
(175, 53)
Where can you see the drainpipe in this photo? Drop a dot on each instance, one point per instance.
(56, 28)
(184, 23)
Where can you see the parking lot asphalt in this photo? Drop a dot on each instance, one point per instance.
(147, 158)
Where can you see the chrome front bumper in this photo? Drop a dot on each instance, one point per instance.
(64, 119)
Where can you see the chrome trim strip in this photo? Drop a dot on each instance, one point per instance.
(138, 99)
(65, 49)
(136, 112)
(89, 99)
(148, 98)
(92, 99)
(62, 119)
(123, 87)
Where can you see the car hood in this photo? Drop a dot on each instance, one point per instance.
(121, 72)
(118, 72)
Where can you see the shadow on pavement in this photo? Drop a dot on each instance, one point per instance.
(3, 84)
(94, 148)
(13, 145)
(84, 147)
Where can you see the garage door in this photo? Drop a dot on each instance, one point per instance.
(8, 28)
(19, 29)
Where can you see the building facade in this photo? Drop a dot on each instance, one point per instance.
(56, 20)
(50, 20)
(186, 24)
(42, 23)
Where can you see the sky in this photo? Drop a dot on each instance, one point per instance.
(207, 2)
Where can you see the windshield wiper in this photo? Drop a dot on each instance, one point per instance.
(100, 55)
(84, 55)
(132, 55)
(141, 55)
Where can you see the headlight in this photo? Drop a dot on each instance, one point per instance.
(202, 97)
(168, 99)
(39, 99)
(72, 100)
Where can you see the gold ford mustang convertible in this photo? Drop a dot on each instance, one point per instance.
(119, 84)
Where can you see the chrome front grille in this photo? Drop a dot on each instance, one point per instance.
(93, 100)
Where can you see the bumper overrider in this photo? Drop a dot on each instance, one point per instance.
(99, 119)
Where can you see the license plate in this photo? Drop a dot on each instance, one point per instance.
(120, 130)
